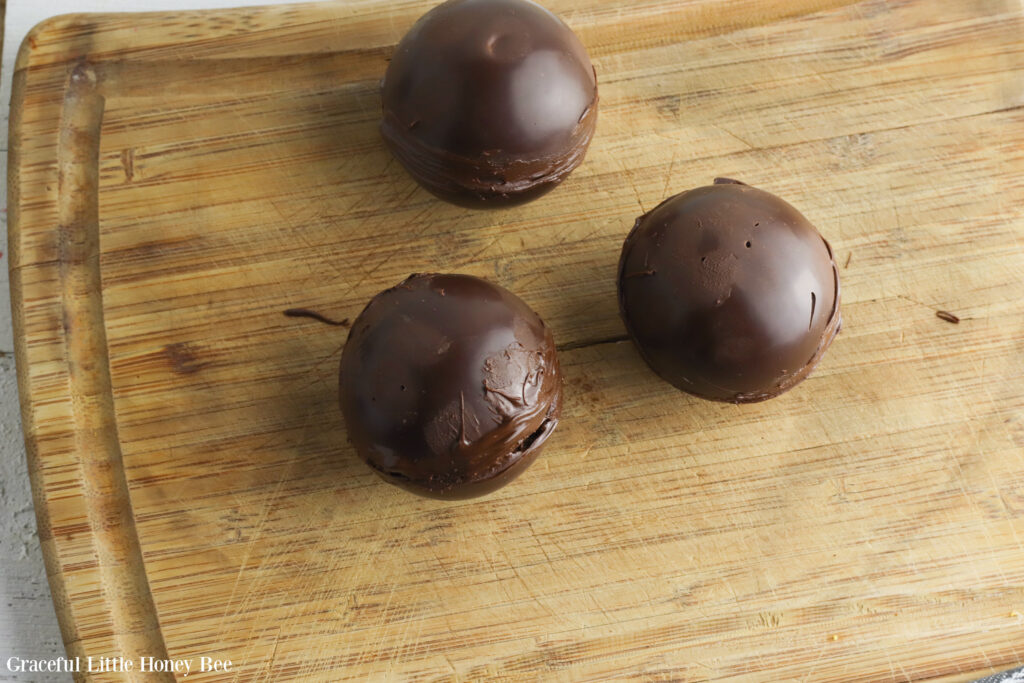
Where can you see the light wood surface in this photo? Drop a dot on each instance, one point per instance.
(865, 526)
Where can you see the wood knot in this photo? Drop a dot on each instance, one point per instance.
(182, 358)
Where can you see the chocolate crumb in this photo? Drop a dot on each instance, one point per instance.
(848, 257)
(948, 317)
(306, 313)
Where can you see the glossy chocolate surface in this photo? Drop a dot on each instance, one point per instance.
(489, 103)
(449, 385)
(729, 292)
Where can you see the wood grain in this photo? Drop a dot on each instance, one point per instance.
(122, 573)
(865, 526)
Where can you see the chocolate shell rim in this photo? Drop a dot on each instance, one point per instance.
(452, 491)
(449, 175)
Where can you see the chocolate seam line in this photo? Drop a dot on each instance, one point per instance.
(431, 166)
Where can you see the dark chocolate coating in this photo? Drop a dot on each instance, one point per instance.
(489, 103)
(449, 385)
(729, 293)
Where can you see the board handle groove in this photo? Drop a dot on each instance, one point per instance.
(122, 572)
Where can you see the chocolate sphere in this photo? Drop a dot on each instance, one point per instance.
(489, 103)
(449, 385)
(729, 293)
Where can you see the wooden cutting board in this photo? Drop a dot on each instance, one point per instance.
(200, 499)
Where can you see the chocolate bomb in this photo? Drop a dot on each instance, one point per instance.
(729, 293)
(449, 385)
(489, 103)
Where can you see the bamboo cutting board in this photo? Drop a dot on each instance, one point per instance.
(179, 179)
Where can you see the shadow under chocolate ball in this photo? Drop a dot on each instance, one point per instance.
(729, 293)
(449, 385)
(489, 103)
